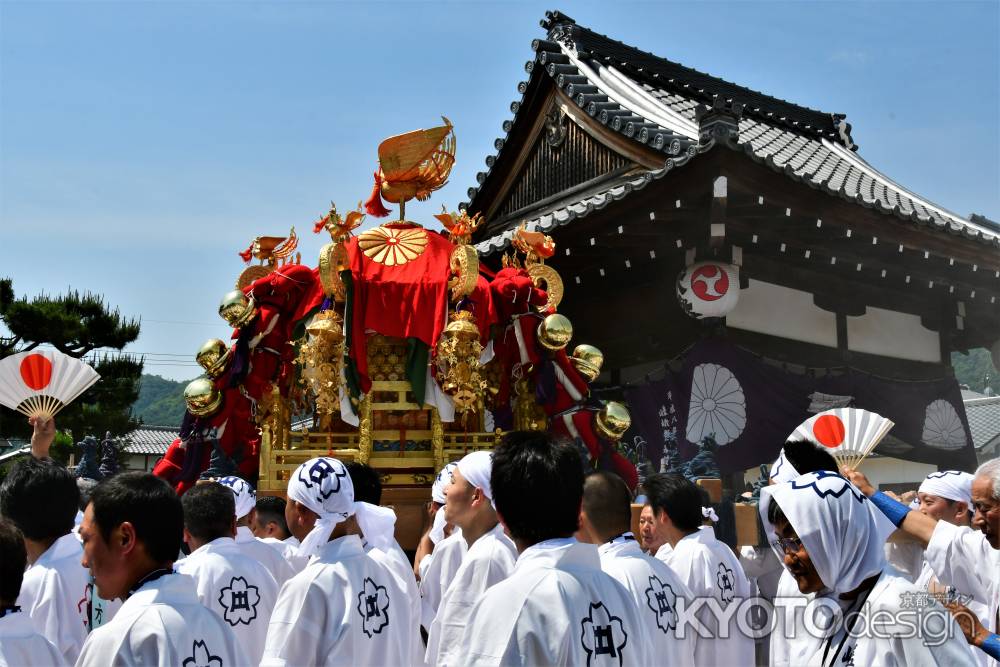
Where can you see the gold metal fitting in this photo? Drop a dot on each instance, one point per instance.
(588, 360)
(612, 421)
(237, 308)
(213, 357)
(555, 332)
(202, 397)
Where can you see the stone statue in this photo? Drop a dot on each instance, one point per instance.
(88, 459)
(109, 457)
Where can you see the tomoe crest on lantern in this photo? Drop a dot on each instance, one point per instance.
(708, 289)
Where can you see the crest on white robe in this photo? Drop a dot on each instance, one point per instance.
(201, 657)
(603, 636)
(373, 605)
(660, 597)
(240, 600)
(726, 582)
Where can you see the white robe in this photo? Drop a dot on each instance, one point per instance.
(163, 624)
(237, 588)
(342, 609)
(395, 561)
(54, 595)
(264, 554)
(556, 608)
(295, 561)
(710, 569)
(790, 643)
(488, 561)
(445, 561)
(22, 646)
(928, 581)
(906, 557)
(655, 589)
(893, 644)
(963, 558)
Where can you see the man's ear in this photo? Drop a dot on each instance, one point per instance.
(124, 537)
(187, 537)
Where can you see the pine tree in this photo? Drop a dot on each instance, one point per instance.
(82, 326)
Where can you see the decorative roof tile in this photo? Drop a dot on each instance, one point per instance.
(150, 440)
(984, 420)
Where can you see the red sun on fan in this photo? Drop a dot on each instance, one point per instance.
(829, 431)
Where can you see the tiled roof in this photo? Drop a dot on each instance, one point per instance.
(653, 101)
(151, 440)
(984, 420)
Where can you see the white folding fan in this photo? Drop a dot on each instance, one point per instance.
(849, 433)
(40, 383)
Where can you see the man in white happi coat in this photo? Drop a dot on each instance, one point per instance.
(557, 607)
(131, 533)
(20, 643)
(40, 497)
(343, 608)
(233, 585)
(444, 555)
(269, 526)
(380, 543)
(489, 560)
(963, 557)
(605, 520)
(248, 544)
(708, 567)
(832, 543)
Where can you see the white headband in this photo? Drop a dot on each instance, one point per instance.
(441, 482)
(948, 484)
(477, 469)
(245, 496)
(782, 470)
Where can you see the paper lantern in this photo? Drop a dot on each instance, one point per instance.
(709, 289)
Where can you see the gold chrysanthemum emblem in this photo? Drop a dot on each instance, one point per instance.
(393, 246)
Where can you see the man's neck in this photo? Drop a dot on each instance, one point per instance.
(481, 523)
(675, 535)
(35, 548)
(604, 538)
(143, 570)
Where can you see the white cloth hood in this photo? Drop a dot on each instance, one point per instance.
(245, 496)
(836, 524)
(477, 468)
(949, 484)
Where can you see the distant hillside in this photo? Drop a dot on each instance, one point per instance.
(973, 368)
(160, 402)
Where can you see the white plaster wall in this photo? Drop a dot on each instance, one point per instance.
(892, 334)
(784, 312)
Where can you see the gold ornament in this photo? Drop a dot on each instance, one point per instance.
(413, 165)
(252, 273)
(465, 267)
(340, 228)
(546, 278)
(588, 360)
(213, 357)
(457, 362)
(459, 225)
(320, 358)
(202, 397)
(555, 332)
(333, 260)
(612, 421)
(393, 246)
(237, 308)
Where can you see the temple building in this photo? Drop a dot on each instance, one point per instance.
(737, 260)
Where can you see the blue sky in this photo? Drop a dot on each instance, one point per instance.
(143, 144)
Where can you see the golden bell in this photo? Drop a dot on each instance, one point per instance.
(213, 357)
(555, 331)
(237, 308)
(588, 360)
(327, 325)
(612, 421)
(462, 326)
(202, 397)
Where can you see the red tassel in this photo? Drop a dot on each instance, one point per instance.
(247, 254)
(374, 205)
(320, 224)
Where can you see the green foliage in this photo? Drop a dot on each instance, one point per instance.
(61, 448)
(77, 324)
(160, 402)
(973, 369)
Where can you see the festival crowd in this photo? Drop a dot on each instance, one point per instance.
(529, 560)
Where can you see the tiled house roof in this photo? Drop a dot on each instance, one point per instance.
(150, 440)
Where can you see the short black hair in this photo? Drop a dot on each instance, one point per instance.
(367, 483)
(607, 503)
(149, 504)
(85, 485)
(41, 498)
(806, 456)
(678, 496)
(537, 485)
(209, 509)
(13, 559)
(775, 514)
(272, 508)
